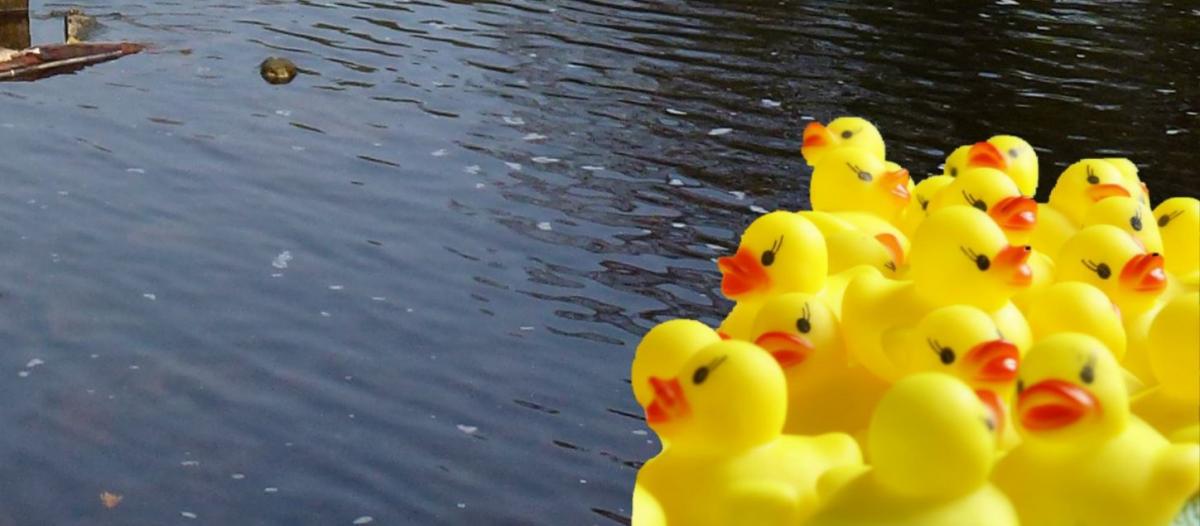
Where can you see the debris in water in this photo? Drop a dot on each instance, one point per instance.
(515, 121)
(544, 225)
(188, 514)
(719, 131)
(365, 519)
(439, 153)
(674, 111)
(150, 296)
(544, 160)
(534, 137)
(34, 363)
(281, 261)
(110, 500)
(470, 430)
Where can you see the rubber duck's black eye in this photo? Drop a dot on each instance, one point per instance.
(946, 355)
(1162, 221)
(1088, 374)
(1092, 179)
(768, 258)
(954, 172)
(1103, 271)
(803, 325)
(982, 262)
(847, 134)
(1013, 152)
(991, 424)
(924, 203)
(1020, 386)
(982, 206)
(700, 375)
(1136, 222)
(865, 176)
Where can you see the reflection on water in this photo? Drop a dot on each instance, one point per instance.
(483, 206)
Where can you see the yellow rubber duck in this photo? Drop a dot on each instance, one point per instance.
(1178, 220)
(1130, 215)
(956, 161)
(1077, 307)
(646, 511)
(855, 180)
(1079, 187)
(958, 256)
(803, 334)
(854, 132)
(964, 342)
(991, 191)
(1173, 406)
(931, 448)
(780, 252)
(1009, 154)
(856, 238)
(1083, 458)
(1129, 173)
(918, 208)
(1135, 280)
(728, 462)
(663, 350)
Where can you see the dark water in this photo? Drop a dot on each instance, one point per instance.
(485, 204)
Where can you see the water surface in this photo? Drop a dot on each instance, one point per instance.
(408, 285)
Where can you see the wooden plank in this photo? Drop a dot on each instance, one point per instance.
(14, 30)
(14, 5)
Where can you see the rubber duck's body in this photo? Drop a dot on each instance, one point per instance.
(856, 238)
(1173, 406)
(855, 180)
(931, 449)
(842, 132)
(1083, 458)
(803, 334)
(958, 256)
(1109, 259)
(728, 462)
(1074, 306)
(663, 350)
(1178, 220)
(780, 252)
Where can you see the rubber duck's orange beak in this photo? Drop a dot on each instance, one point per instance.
(1053, 404)
(1100, 191)
(817, 135)
(1014, 259)
(1017, 213)
(787, 348)
(983, 154)
(996, 360)
(742, 273)
(995, 407)
(1144, 273)
(669, 401)
(896, 184)
(893, 247)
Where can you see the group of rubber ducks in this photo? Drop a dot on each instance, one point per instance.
(944, 353)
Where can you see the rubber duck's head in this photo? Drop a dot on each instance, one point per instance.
(855, 132)
(1129, 173)
(1074, 306)
(1114, 262)
(1085, 183)
(991, 191)
(663, 350)
(959, 255)
(729, 396)
(1178, 220)
(1070, 390)
(779, 252)
(1130, 215)
(1174, 340)
(956, 162)
(1012, 156)
(930, 436)
(801, 332)
(964, 342)
(853, 179)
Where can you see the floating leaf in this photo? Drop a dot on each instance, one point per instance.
(110, 500)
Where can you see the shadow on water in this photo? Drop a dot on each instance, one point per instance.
(407, 286)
